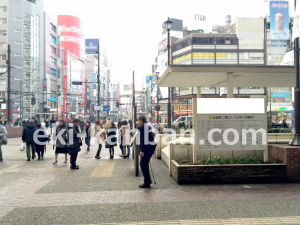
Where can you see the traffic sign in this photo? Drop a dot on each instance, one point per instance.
(106, 108)
(97, 107)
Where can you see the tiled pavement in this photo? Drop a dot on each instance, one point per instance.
(106, 191)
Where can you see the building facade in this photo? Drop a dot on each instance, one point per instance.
(22, 27)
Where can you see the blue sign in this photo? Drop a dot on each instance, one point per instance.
(95, 77)
(95, 86)
(52, 99)
(91, 45)
(58, 73)
(279, 20)
(58, 41)
(106, 108)
(280, 95)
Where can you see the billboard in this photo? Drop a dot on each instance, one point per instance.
(71, 34)
(279, 20)
(91, 45)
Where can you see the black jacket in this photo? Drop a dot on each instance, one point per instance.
(28, 132)
(75, 147)
(111, 136)
(144, 147)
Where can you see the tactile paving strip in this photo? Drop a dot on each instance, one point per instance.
(104, 169)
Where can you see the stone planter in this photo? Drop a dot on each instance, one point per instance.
(235, 173)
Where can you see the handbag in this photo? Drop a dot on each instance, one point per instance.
(106, 145)
(22, 147)
(5, 141)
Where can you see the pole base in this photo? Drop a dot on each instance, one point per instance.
(296, 140)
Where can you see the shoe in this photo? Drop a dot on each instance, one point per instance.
(39, 158)
(65, 161)
(54, 163)
(127, 156)
(97, 157)
(144, 186)
(28, 159)
(74, 167)
(88, 149)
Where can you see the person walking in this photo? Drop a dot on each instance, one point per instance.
(40, 148)
(47, 123)
(52, 123)
(81, 126)
(146, 149)
(126, 138)
(120, 137)
(27, 137)
(3, 133)
(284, 124)
(24, 123)
(112, 139)
(74, 148)
(60, 147)
(88, 135)
(98, 133)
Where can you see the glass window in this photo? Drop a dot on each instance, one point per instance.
(3, 57)
(3, 21)
(53, 28)
(53, 50)
(3, 45)
(2, 82)
(53, 39)
(3, 8)
(3, 33)
(53, 72)
(53, 61)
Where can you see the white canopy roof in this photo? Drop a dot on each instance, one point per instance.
(216, 76)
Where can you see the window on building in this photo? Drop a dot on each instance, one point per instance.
(3, 32)
(2, 57)
(3, 69)
(3, 21)
(2, 82)
(53, 61)
(2, 94)
(53, 72)
(3, 45)
(53, 39)
(3, 9)
(53, 50)
(53, 28)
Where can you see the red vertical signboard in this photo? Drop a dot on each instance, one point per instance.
(65, 75)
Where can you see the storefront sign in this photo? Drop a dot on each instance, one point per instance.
(280, 95)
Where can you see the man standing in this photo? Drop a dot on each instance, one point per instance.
(74, 143)
(52, 123)
(147, 148)
(27, 136)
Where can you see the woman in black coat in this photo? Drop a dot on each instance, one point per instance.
(40, 148)
(112, 139)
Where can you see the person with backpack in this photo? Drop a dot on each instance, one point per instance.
(147, 148)
(27, 137)
(3, 133)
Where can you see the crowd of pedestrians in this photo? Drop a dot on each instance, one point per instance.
(71, 134)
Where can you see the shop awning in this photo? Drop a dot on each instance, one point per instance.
(216, 76)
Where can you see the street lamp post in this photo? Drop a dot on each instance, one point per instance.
(168, 26)
(296, 139)
(21, 82)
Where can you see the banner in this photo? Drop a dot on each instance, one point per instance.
(279, 20)
(91, 45)
(65, 74)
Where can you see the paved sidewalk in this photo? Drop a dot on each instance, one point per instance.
(106, 191)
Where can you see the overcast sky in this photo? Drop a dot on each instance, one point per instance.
(130, 30)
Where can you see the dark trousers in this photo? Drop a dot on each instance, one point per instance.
(121, 147)
(28, 146)
(73, 158)
(128, 150)
(99, 150)
(111, 152)
(145, 166)
(40, 150)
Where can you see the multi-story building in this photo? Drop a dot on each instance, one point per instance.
(52, 68)
(22, 27)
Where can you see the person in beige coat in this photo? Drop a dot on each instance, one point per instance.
(98, 133)
(126, 138)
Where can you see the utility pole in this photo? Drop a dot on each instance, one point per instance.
(136, 152)
(98, 81)
(157, 111)
(8, 88)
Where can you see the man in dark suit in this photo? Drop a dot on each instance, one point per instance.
(146, 149)
(74, 143)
